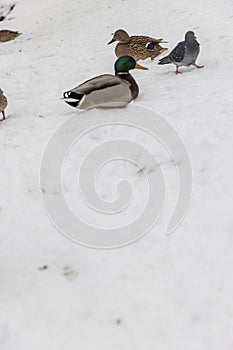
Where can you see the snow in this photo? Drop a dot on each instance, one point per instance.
(168, 291)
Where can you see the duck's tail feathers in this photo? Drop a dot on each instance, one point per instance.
(165, 60)
(72, 98)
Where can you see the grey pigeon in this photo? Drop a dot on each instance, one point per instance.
(184, 54)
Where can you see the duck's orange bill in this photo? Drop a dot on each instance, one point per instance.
(138, 66)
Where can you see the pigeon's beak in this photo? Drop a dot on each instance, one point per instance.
(111, 41)
(195, 37)
(138, 66)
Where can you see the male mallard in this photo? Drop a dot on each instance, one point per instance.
(3, 105)
(107, 90)
(7, 35)
(139, 47)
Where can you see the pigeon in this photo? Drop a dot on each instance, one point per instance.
(184, 54)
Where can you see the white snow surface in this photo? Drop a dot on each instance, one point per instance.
(165, 292)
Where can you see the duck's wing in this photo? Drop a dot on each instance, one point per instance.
(98, 83)
(155, 41)
(145, 40)
(103, 91)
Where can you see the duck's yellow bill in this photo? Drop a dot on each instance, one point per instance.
(138, 66)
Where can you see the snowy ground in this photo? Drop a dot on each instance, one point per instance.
(162, 292)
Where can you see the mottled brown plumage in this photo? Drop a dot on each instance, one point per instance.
(3, 105)
(139, 47)
(7, 35)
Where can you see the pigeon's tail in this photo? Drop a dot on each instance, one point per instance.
(165, 60)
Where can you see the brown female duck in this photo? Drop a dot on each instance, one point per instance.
(139, 47)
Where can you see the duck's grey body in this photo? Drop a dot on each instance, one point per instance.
(106, 90)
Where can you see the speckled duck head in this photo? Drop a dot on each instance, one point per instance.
(120, 36)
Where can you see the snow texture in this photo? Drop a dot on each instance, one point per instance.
(162, 292)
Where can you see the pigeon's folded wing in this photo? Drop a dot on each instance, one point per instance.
(177, 55)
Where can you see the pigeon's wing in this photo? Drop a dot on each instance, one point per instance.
(178, 53)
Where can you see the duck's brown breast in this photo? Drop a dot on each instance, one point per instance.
(3, 103)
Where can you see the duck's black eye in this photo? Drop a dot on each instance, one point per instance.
(150, 46)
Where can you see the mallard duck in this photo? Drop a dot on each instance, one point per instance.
(3, 105)
(7, 35)
(107, 90)
(139, 47)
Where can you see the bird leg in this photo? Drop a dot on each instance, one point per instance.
(3, 116)
(196, 65)
(177, 70)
